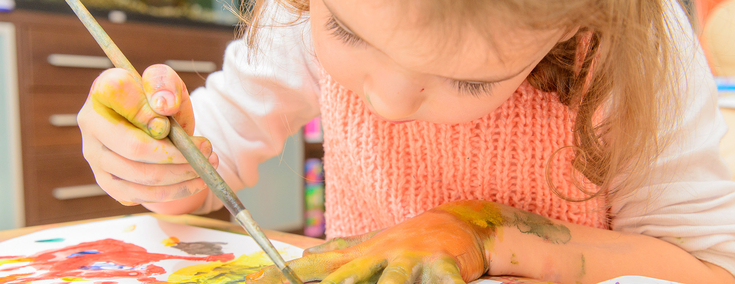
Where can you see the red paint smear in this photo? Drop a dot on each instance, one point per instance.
(56, 264)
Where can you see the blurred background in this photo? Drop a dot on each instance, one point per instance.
(48, 61)
(47, 64)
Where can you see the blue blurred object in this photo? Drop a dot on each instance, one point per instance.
(726, 91)
(7, 5)
(725, 84)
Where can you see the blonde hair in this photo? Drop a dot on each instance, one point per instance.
(625, 101)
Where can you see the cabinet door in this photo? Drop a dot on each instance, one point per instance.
(57, 65)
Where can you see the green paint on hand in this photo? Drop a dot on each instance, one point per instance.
(529, 223)
(513, 259)
(583, 272)
(56, 240)
(489, 215)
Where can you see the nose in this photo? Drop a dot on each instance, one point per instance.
(393, 95)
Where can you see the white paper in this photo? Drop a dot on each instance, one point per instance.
(619, 280)
(485, 281)
(637, 280)
(140, 237)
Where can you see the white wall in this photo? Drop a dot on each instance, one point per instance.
(277, 201)
(11, 189)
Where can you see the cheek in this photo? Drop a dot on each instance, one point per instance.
(343, 63)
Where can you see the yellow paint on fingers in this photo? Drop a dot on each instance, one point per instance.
(482, 214)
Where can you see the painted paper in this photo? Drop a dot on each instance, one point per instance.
(139, 249)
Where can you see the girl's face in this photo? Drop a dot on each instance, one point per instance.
(405, 71)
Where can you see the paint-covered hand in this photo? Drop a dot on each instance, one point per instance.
(122, 124)
(438, 246)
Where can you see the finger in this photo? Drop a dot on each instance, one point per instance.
(308, 268)
(400, 271)
(168, 95)
(163, 89)
(151, 174)
(444, 270)
(125, 191)
(361, 270)
(117, 95)
(128, 141)
(340, 243)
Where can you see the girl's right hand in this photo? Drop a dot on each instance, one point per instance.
(123, 125)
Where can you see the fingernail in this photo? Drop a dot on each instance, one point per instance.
(212, 160)
(206, 148)
(157, 126)
(162, 100)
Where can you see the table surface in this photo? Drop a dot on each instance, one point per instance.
(296, 240)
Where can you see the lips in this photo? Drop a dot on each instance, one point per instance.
(391, 121)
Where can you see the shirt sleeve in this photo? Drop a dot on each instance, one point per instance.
(689, 200)
(249, 109)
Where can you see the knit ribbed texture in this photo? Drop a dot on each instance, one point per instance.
(379, 173)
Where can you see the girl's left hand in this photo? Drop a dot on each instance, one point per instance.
(434, 247)
(460, 241)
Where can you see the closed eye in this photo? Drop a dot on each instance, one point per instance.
(475, 89)
(340, 33)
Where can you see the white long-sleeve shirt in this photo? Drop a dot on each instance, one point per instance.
(248, 109)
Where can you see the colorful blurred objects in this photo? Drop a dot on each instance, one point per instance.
(314, 198)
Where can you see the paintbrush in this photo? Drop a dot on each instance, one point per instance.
(192, 154)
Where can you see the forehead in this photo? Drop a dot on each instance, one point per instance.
(443, 42)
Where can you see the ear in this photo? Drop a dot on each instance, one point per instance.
(569, 34)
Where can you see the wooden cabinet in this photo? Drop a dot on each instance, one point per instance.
(57, 63)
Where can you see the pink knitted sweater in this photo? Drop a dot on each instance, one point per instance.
(379, 173)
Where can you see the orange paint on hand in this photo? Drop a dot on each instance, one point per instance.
(255, 275)
(171, 241)
(443, 239)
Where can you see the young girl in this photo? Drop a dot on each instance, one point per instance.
(567, 141)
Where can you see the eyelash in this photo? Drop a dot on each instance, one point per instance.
(341, 34)
(473, 88)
